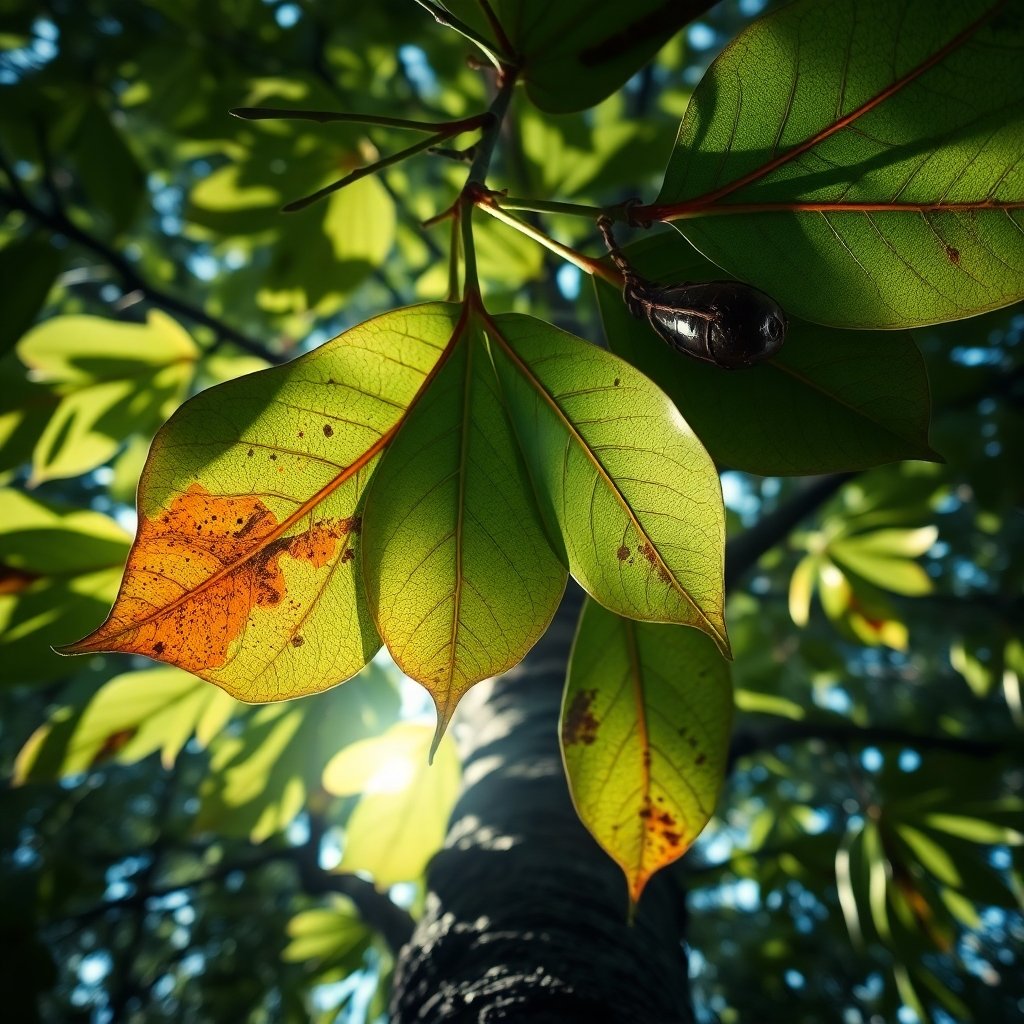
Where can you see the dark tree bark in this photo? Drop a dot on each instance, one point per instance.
(526, 915)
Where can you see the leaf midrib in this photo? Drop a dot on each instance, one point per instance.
(96, 643)
(708, 199)
(539, 387)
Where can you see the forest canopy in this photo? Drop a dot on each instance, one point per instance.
(676, 349)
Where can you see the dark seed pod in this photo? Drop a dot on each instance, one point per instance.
(726, 323)
(723, 322)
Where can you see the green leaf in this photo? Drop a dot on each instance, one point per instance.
(850, 159)
(575, 54)
(622, 481)
(978, 676)
(402, 815)
(25, 409)
(245, 567)
(645, 727)
(30, 263)
(460, 577)
(328, 935)
(107, 168)
(316, 261)
(878, 558)
(131, 716)
(266, 774)
(59, 568)
(976, 830)
(830, 401)
(114, 379)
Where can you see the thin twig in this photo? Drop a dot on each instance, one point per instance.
(58, 222)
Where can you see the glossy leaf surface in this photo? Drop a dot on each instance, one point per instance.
(873, 149)
(621, 479)
(575, 54)
(460, 577)
(829, 401)
(402, 814)
(244, 569)
(645, 728)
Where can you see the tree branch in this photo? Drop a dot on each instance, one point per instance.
(376, 908)
(58, 222)
(742, 553)
(747, 742)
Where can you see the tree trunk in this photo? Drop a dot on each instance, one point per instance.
(525, 917)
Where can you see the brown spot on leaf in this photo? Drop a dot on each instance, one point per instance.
(298, 640)
(249, 453)
(616, 382)
(701, 758)
(672, 838)
(647, 550)
(200, 569)
(623, 553)
(952, 254)
(328, 430)
(580, 725)
(347, 555)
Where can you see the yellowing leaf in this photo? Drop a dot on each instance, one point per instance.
(461, 580)
(402, 816)
(645, 736)
(244, 568)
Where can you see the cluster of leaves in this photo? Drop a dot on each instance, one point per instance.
(428, 478)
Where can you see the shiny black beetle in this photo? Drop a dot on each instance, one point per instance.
(727, 323)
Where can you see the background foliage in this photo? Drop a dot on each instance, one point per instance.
(170, 853)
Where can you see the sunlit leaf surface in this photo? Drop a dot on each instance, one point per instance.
(459, 574)
(861, 160)
(112, 379)
(244, 569)
(646, 718)
(402, 814)
(622, 480)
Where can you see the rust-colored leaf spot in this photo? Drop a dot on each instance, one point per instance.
(328, 430)
(623, 553)
(298, 640)
(191, 587)
(580, 725)
(952, 254)
(647, 550)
